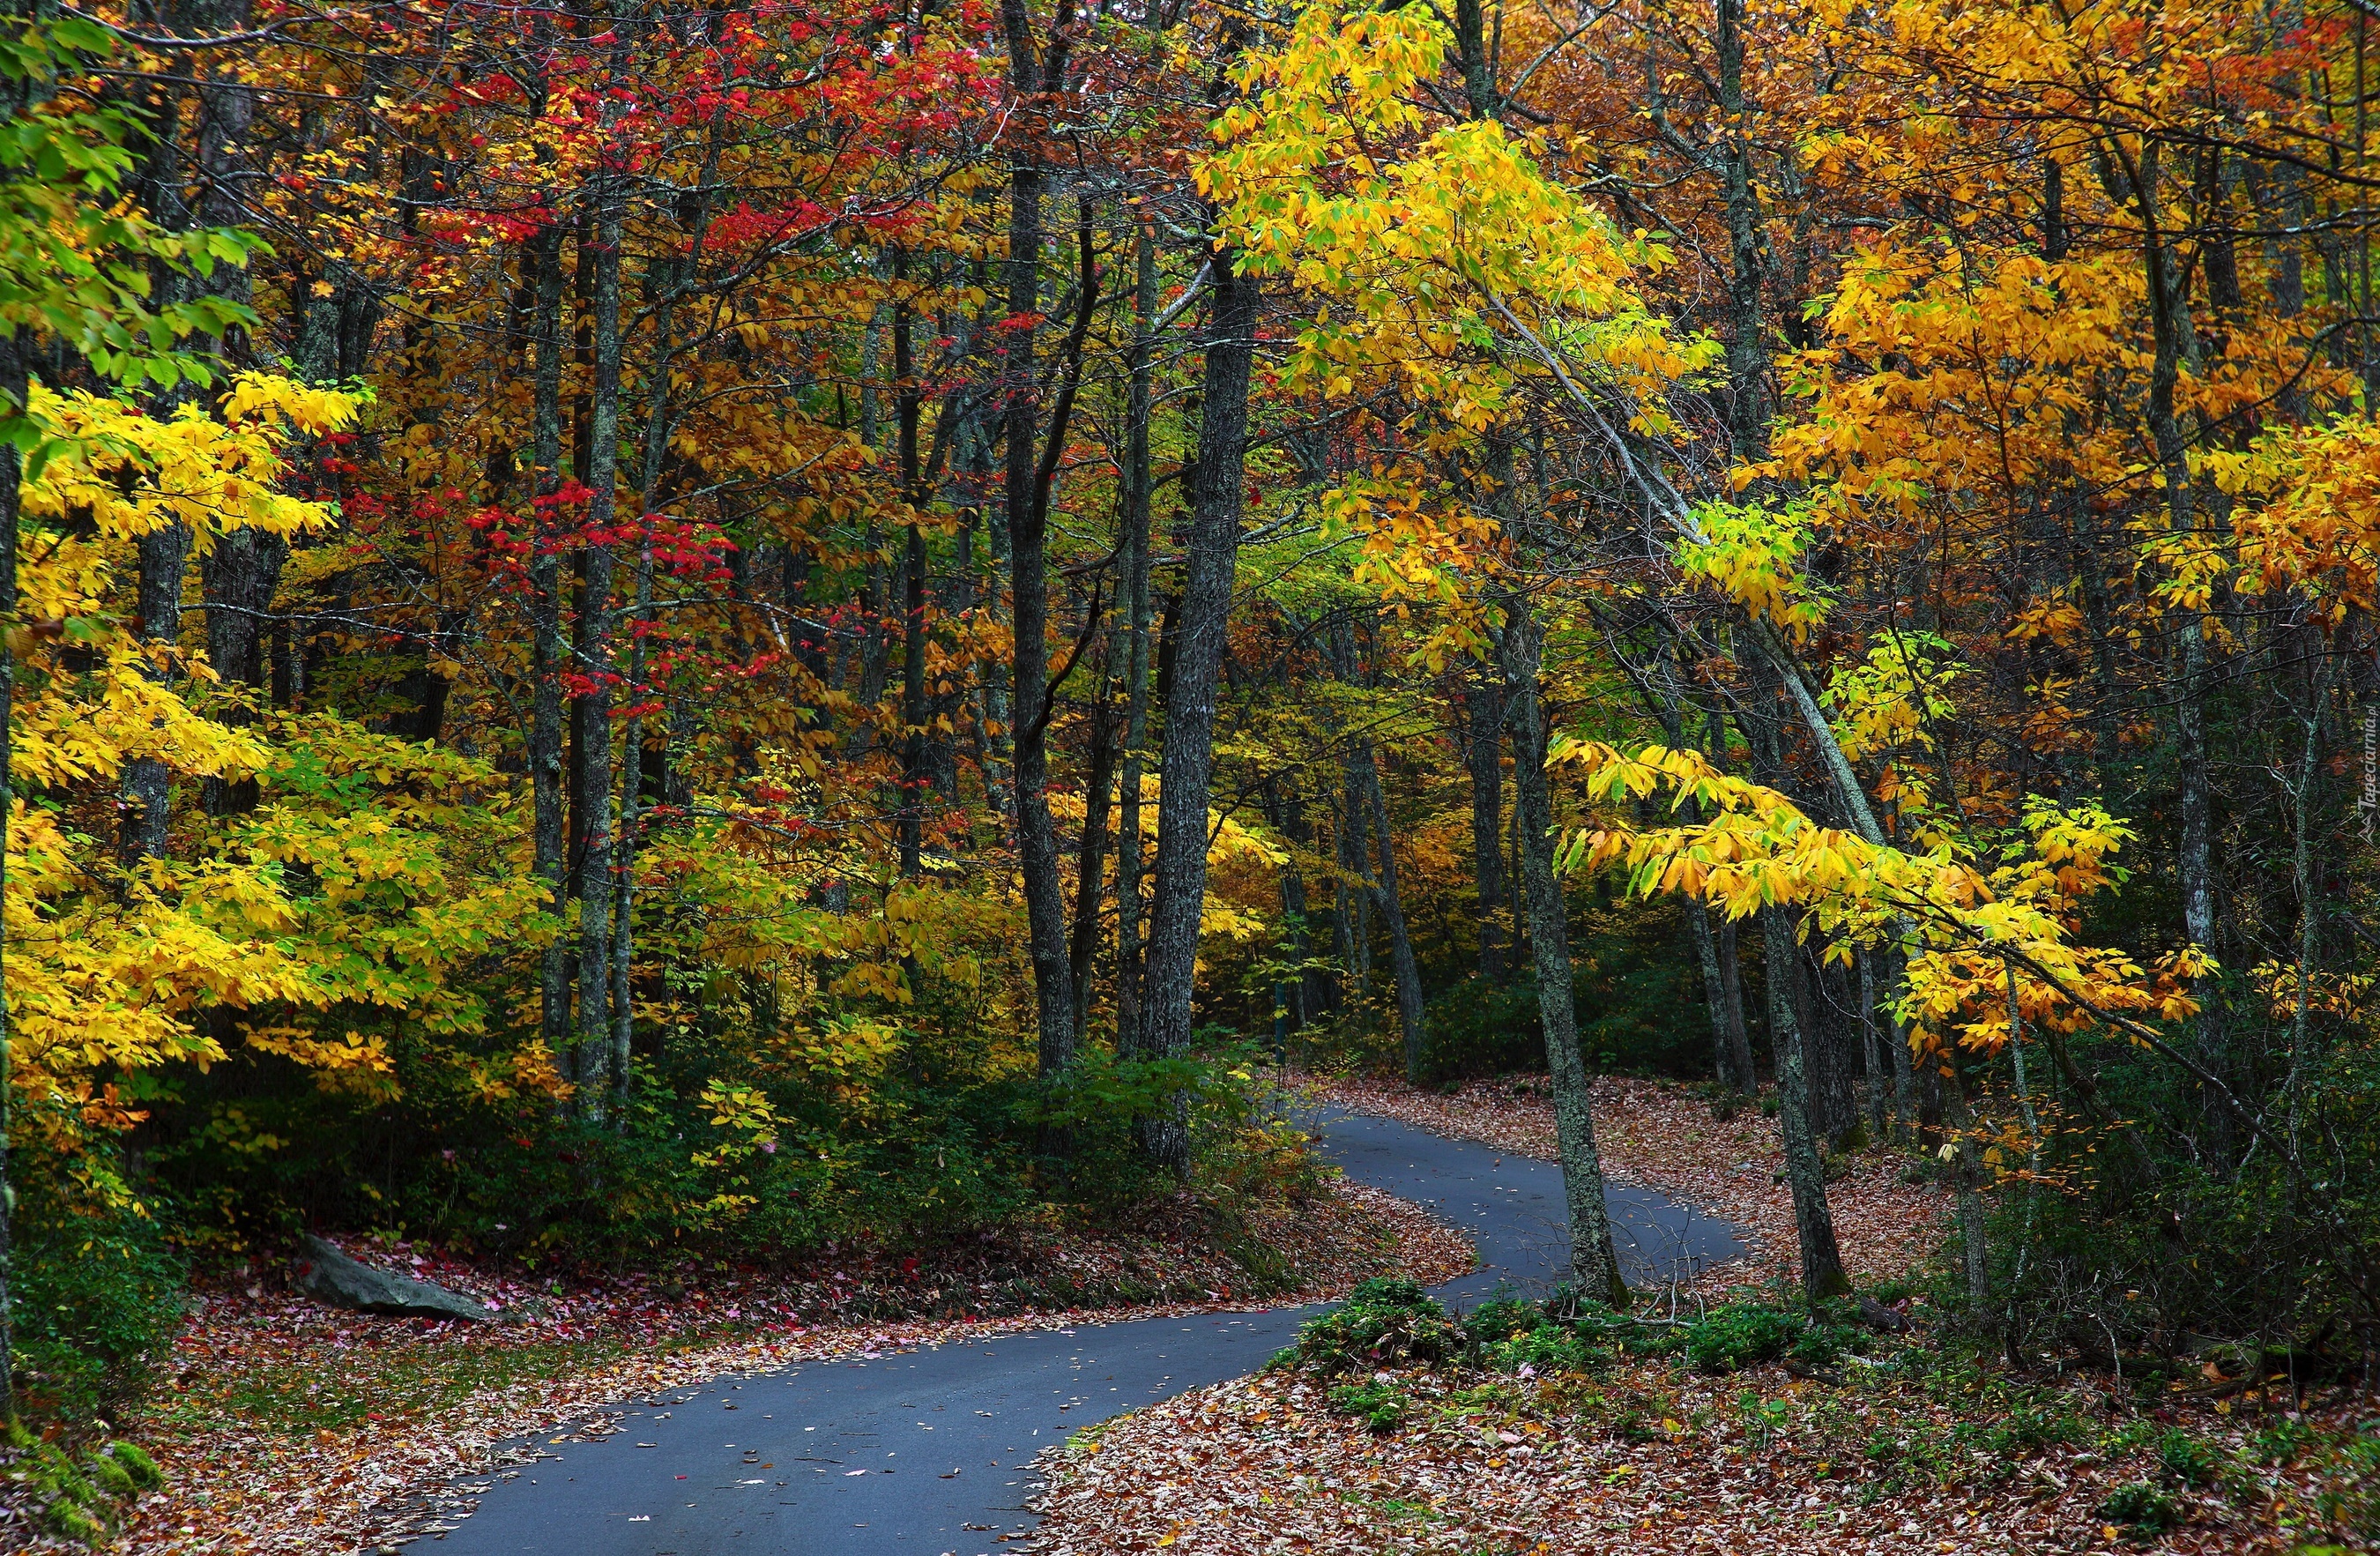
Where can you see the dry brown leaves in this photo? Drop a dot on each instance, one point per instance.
(247, 1475)
(1645, 1458)
(1641, 1461)
(1657, 1136)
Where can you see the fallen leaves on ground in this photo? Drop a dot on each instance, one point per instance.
(1658, 1137)
(286, 1427)
(1642, 1460)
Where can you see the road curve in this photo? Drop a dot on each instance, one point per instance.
(926, 1452)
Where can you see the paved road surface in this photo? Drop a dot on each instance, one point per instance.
(924, 1453)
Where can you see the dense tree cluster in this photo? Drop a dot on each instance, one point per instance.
(640, 625)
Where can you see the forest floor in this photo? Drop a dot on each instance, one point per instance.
(1908, 1449)
(286, 1426)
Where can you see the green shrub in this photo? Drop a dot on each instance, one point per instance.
(2142, 1508)
(2186, 1459)
(1387, 1321)
(82, 1502)
(2029, 1428)
(1743, 1334)
(1378, 1405)
(2349, 1498)
(1548, 1348)
(1498, 1320)
(1740, 1335)
(98, 1291)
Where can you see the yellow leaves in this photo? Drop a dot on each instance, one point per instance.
(743, 1108)
(306, 410)
(1887, 702)
(353, 1064)
(1229, 843)
(1753, 554)
(2057, 621)
(1446, 265)
(2321, 534)
(1966, 935)
(128, 474)
(120, 713)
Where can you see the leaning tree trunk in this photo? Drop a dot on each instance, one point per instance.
(1594, 1264)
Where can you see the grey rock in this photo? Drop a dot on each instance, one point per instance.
(328, 1275)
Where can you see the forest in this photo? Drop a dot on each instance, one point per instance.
(679, 648)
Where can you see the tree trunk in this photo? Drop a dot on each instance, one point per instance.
(1871, 1052)
(597, 890)
(1822, 1263)
(1188, 758)
(15, 385)
(550, 657)
(1968, 1179)
(1705, 942)
(1353, 931)
(164, 555)
(1134, 540)
(1594, 1264)
(1904, 1077)
(1485, 759)
(1748, 357)
(1311, 995)
(907, 408)
(1828, 1034)
(1739, 1037)
(239, 578)
(1037, 837)
(1090, 865)
(2167, 280)
(1393, 913)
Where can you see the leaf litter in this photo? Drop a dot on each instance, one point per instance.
(1647, 1458)
(286, 1426)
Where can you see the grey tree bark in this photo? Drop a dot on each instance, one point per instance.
(598, 890)
(2167, 278)
(549, 653)
(1090, 857)
(1393, 915)
(1822, 1264)
(1187, 761)
(1483, 754)
(1138, 486)
(1029, 573)
(163, 557)
(1594, 1265)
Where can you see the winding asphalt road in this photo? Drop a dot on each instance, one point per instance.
(926, 1452)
